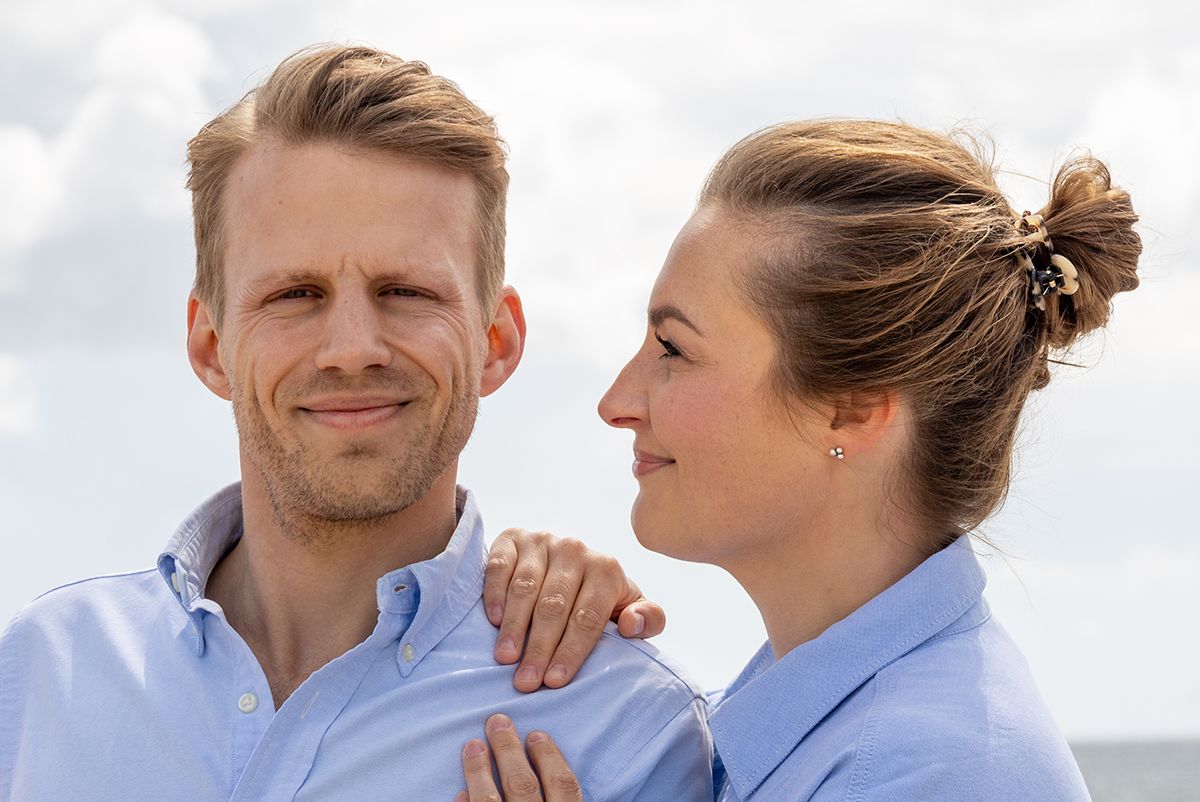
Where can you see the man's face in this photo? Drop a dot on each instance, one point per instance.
(353, 341)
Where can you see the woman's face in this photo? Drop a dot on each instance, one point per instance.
(724, 471)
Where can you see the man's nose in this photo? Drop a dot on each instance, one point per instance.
(354, 337)
(624, 405)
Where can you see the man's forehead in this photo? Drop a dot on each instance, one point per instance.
(273, 164)
(320, 207)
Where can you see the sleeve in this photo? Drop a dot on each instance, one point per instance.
(10, 707)
(675, 764)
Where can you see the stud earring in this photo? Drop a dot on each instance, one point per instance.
(837, 452)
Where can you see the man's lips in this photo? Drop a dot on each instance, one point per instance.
(353, 413)
(645, 462)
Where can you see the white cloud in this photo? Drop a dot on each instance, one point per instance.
(63, 24)
(29, 189)
(1109, 636)
(120, 150)
(125, 141)
(18, 398)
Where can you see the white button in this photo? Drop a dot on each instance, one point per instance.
(175, 581)
(408, 652)
(248, 703)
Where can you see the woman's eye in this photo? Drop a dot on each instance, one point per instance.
(669, 349)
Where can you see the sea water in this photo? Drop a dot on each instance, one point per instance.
(1140, 771)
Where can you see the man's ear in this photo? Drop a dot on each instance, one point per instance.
(862, 419)
(506, 342)
(204, 348)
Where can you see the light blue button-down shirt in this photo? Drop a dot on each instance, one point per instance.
(135, 687)
(918, 695)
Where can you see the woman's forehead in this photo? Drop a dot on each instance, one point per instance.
(703, 269)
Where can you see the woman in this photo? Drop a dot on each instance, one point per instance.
(839, 348)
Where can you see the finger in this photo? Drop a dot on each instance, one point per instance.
(559, 783)
(521, 597)
(477, 769)
(502, 559)
(517, 778)
(603, 585)
(642, 619)
(564, 578)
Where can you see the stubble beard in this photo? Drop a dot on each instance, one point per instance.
(319, 498)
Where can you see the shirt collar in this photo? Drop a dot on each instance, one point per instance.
(812, 679)
(441, 590)
(447, 586)
(195, 549)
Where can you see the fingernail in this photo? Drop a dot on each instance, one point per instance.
(557, 673)
(498, 722)
(537, 737)
(474, 748)
(639, 623)
(507, 649)
(496, 614)
(527, 674)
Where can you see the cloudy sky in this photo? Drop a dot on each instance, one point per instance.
(614, 112)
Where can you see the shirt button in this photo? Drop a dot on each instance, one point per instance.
(248, 703)
(408, 652)
(175, 580)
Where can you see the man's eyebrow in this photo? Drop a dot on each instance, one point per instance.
(668, 312)
(314, 276)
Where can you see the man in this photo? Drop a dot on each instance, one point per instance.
(316, 632)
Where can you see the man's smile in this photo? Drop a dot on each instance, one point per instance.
(353, 412)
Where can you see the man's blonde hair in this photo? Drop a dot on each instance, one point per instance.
(362, 99)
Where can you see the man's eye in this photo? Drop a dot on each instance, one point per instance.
(669, 349)
(402, 292)
(298, 292)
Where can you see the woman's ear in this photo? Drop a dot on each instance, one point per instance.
(863, 418)
(506, 342)
(204, 348)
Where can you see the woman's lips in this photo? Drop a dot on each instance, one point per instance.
(644, 463)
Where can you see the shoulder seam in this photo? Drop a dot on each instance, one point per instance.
(950, 632)
(695, 691)
(73, 583)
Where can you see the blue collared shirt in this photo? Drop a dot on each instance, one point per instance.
(917, 695)
(135, 687)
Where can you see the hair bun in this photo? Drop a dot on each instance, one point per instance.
(1091, 223)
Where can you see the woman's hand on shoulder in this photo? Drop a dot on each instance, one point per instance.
(553, 597)
(548, 779)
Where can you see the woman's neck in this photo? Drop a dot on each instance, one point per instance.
(813, 579)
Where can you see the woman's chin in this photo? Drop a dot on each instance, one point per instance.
(667, 535)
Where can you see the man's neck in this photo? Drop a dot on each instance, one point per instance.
(301, 602)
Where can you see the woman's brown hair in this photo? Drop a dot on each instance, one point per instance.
(889, 260)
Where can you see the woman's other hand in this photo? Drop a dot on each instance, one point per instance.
(560, 594)
(548, 779)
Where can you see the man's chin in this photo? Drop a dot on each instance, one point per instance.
(333, 507)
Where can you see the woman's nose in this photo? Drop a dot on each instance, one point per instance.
(624, 405)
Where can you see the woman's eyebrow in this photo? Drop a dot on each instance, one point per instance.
(668, 312)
